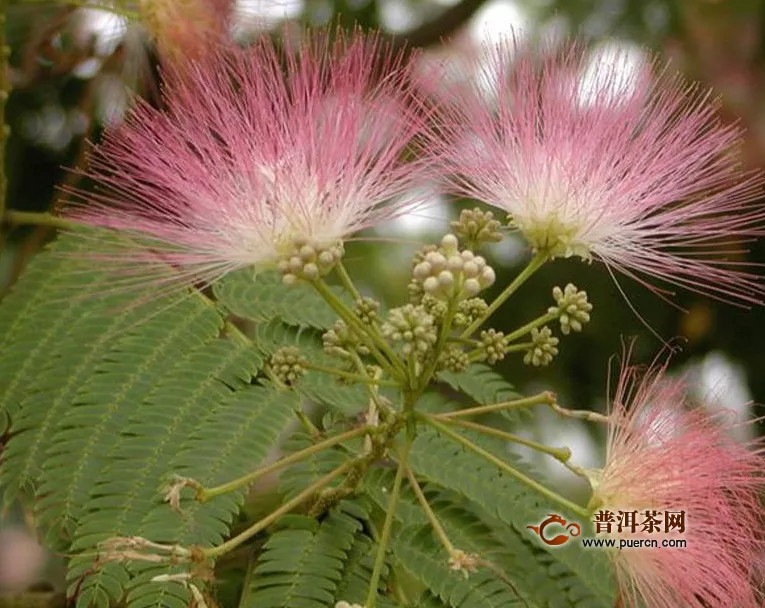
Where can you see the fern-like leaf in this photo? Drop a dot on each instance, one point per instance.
(263, 297)
(449, 465)
(483, 385)
(107, 400)
(300, 567)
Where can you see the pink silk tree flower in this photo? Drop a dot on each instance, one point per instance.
(675, 473)
(267, 157)
(607, 162)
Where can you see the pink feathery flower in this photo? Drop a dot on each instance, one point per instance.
(679, 464)
(634, 169)
(265, 156)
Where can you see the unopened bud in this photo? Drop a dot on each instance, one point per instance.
(288, 365)
(454, 359)
(493, 346)
(412, 326)
(543, 348)
(572, 307)
(476, 227)
(471, 287)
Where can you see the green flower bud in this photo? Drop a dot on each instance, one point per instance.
(412, 326)
(493, 346)
(476, 227)
(308, 259)
(572, 307)
(288, 365)
(543, 348)
(367, 309)
(454, 359)
(469, 310)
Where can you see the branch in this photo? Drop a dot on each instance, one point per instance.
(448, 22)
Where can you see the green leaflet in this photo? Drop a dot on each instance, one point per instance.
(300, 567)
(482, 384)
(262, 297)
(441, 461)
(299, 476)
(429, 563)
(107, 399)
(315, 565)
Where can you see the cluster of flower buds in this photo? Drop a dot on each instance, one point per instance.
(413, 327)
(288, 365)
(308, 259)
(340, 340)
(469, 310)
(344, 604)
(493, 346)
(454, 359)
(446, 272)
(543, 347)
(572, 308)
(367, 310)
(476, 227)
(434, 307)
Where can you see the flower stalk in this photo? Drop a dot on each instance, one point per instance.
(332, 371)
(390, 514)
(206, 494)
(503, 466)
(431, 516)
(561, 454)
(262, 524)
(545, 398)
(390, 361)
(534, 264)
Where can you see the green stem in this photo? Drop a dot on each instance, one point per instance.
(392, 363)
(411, 367)
(560, 454)
(522, 331)
(502, 465)
(434, 523)
(475, 355)
(346, 280)
(205, 494)
(372, 388)
(443, 336)
(5, 90)
(390, 513)
(21, 218)
(306, 423)
(272, 377)
(534, 264)
(349, 375)
(546, 398)
(233, 543)
(580, 414)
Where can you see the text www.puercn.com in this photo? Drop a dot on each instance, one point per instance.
(623, 543)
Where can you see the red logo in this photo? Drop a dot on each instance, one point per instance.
(553, 519)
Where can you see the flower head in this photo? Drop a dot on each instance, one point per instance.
(262, 156)
(668, 462)
(634, 171)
